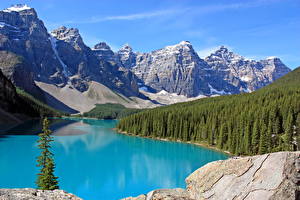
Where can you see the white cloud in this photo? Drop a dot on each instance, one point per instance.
(136, 16)
(141, 15)
(168, 12)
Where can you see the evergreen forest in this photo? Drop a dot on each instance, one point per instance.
(267, 120)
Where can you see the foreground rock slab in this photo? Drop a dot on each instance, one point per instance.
(34, 194)
(274, 176)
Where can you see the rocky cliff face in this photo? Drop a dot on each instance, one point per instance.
(126, 56)
(272, 176)
(24, 34)
(175, 69)
(178, 69)
(34, 194)
(244, 74)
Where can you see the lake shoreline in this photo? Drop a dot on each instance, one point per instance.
(156, 138)
(179, 141)
(95, 118)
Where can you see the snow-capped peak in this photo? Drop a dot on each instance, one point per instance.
(126, 47)
(17, 8)
(185, 43)
(271, 58)
(175, 49)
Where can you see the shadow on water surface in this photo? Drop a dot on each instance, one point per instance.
(34, 127)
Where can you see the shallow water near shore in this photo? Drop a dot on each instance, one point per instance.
(95, 162)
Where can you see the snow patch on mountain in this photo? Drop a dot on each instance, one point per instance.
(17, 8)
(246, 78)
(144, 89)
(271, 57)
(165, 98)
(2, 25)
(215, 91)
(65, 67)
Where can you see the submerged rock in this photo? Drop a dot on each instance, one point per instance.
(272, 176)
(34, 194)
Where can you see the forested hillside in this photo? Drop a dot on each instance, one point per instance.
(267, 120)
(36, 108)
(16, 105)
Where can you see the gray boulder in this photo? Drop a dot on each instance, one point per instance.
(34, 194)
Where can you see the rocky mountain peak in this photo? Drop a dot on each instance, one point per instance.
(102, 46)
(126, 48)
(26, 13)
(20, 16)
(183, 45)
(69, 35)
(126, 56)
(225, 55)
(64, 33)
(275, 60)
(103, 51)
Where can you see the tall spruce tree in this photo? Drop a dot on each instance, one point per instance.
(288, 129)
(46, 179)
(263, 142)
(255, 137)
(298, 131)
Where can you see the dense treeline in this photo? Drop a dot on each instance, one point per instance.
(264, 121)
(35, 108)
(110, 111)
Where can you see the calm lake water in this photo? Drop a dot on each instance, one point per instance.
(97, 163)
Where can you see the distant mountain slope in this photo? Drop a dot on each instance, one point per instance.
(263, 121)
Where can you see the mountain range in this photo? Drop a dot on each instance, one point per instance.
(59, 69)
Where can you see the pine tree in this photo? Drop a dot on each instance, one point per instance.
(298, 132)
(255, 138)
(269, 137)
(263, 144)
(288, 129)
(247, 136)
(221, 136)
(46, 179)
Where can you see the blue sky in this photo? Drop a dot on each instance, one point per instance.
(252, 28)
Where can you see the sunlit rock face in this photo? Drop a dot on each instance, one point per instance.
(178, 69)
(245, 74)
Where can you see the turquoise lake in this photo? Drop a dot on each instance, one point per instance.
(95, 162)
